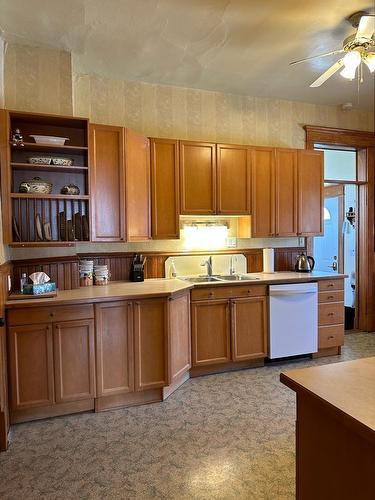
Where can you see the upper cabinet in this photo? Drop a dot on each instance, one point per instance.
(107, 176)
(214, 179)
(310, 192)
(198, 178)
(120, 184)
(165, 189)
(233, 179)
(286, 192)
(263, 192)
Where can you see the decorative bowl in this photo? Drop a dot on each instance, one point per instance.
(40, 160)
(36, 185)
(49, 139)
(70, 189)
(63, 162)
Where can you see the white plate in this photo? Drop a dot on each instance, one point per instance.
(49, 139)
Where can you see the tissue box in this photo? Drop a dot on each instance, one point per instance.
(39, 289)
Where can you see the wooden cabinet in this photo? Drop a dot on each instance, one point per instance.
(51, 360)
(231, 328)
(120, 184)
(31, 366)
(249, 328)
(263, 192)
(151, 347)
(197, 178)
(210, 332)
(310, 192)
(286, 202)
(74, 360)
(137, 184)
(107, 178)
(233, 179)
(165, 190)
(114, 348)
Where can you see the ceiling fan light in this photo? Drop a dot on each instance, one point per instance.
(352, 60)
(369, 60)
(348, 73)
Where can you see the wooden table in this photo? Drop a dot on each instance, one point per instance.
(335, 430)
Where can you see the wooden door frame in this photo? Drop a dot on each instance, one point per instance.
(363, 143)
(337, 191)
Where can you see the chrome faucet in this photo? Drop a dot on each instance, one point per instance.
(208, 263)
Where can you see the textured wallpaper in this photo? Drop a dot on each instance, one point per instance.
(166, 111)
(38, 79)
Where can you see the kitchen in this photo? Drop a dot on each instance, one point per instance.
(179, 244)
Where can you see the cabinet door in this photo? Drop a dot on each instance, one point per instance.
(310, 192)
(210, 332)
(180, 335)
(4, 413)
(74, 355)
(198, 178)
(107, 183)
(151, 344)
(137, 182)
(249, 328)
(165, 189)
(233, 179)
(114, 348)
(31, 366)
(286, 205)
(263, 192)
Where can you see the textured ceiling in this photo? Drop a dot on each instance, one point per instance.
(237, 46)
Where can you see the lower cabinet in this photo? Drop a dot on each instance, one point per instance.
(74, 360)
(31, 366)
(51, 363)
(132, 346)
(211, 332)
(229, 330)
(249, 328)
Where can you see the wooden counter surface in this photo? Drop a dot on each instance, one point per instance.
(348, 386)
(125, 290)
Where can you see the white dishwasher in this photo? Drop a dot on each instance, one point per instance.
(293, 318)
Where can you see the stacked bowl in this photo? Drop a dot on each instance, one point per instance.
(86, 268)
(101, 275)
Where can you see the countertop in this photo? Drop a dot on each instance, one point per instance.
(160, 287)
(113, 291)
(348, 386)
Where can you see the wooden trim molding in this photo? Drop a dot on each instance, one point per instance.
(364, 143)
(5, 270)
(338, 136)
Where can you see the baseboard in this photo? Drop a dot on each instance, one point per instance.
(197, 371)
(17, 416)
(104, 403)
(170, 389)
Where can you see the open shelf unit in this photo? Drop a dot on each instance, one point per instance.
(38, 219)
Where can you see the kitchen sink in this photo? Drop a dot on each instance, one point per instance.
(201, 279)
(236, 277)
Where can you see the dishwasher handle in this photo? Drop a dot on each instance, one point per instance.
(291, 292)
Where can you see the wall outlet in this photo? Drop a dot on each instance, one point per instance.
(231, 242)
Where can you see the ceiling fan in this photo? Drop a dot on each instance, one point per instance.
(359, 48)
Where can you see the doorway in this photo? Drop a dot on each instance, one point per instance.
(337, 251)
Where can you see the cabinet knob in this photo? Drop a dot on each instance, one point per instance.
(330, 314)
(51, 315)
(2, 322)
(330, 285)
(330, 297)
(331, 337)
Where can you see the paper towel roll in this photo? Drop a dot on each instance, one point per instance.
(268, 260)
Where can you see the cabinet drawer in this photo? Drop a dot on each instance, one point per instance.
(333, 296)
(228, 292)
(334, 284)
(331, 336)
(331, 314)
(32, 315)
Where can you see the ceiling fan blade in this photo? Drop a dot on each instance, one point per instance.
(334, 52)
(366, 28)
(327, 74)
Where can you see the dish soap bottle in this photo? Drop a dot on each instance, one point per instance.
(172, 270)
